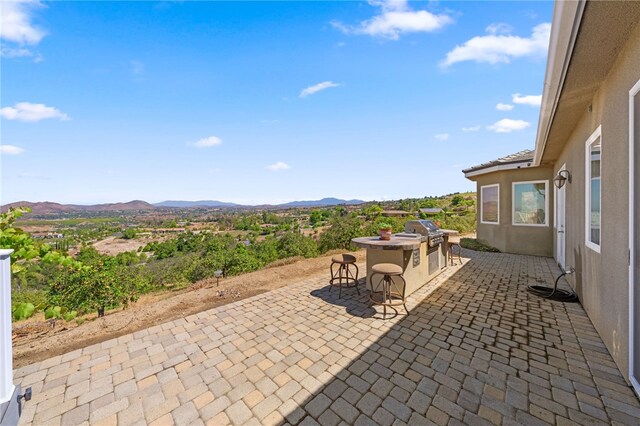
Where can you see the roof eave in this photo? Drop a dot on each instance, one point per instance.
(567, 16)
(470, 173)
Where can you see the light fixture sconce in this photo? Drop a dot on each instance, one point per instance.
(561, 178)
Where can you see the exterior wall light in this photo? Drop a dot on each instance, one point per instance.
(561, 178)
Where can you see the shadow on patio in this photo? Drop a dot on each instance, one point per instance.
(478, 350)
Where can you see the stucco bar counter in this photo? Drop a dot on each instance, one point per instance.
(419, 262)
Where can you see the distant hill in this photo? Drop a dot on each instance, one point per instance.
(47, 207)
(202, 203)
(213, 203)
(322, 203)
(50, 208)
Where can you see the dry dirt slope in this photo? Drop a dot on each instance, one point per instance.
(37, 340)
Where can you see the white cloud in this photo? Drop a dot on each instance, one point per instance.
(275, 167)
(442, 136)
(494, 48)
(504, 107)
(26, 111)
(499, 28)
(15, 22)
(19, 52)
(395, 18)
(532, 100)
(507, 125)
(471, 129)
(208, 142)
(318, 87)
(11, 150)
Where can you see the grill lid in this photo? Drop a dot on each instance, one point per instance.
(424, 227)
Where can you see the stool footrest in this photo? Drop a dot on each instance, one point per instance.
(387, 292)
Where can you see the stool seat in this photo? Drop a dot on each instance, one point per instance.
(386, 269)
(343, 258)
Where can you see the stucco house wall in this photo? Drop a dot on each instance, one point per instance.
(601, 280)
(517, 239)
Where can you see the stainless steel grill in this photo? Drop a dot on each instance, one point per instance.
(425, 228)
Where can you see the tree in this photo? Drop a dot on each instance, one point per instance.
(241, 260)
(104, 285)
(294, 244)
(408, 205)
(340, 233)
(457, 200)
(129, 234)
(373, 211)
(24, 247)
(267, 250)
(26, 251)
(88, 255)
(315, 217)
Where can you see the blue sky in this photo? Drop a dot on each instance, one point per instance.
(263, 102)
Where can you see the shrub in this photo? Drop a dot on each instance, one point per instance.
(201, 268)
(240, 261)
(267, 251)
(462, 224)
(22, 311)
(129, 234)
(340, 233)
(373, 227)
(169, 271)
(473, 244)
(293, 244)
(36, 297)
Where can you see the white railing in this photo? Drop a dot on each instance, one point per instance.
(6, 357)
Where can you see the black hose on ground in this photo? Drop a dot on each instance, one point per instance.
(555, 293)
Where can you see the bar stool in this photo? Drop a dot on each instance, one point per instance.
(343, 277)
(389, 295)
(450, 245)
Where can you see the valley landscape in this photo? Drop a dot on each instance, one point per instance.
(158, 260)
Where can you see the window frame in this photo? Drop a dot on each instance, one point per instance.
(482, 221)
(597, 134)
(546, 203)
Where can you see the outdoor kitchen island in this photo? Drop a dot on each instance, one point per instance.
(421, 257)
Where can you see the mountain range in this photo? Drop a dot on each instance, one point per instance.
(47, 207)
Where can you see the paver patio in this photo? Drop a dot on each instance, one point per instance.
(475, 349)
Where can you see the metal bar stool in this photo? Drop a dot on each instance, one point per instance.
(450, 245)
(389, 295)
(343, 277)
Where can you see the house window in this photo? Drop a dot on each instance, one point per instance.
(490, 202)
(530, 203)
(593, 194)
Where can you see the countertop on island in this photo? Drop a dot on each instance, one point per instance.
(395, 243)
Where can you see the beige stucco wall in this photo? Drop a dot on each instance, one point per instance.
(518, 239)
(601, 279)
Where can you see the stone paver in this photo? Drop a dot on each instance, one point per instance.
(475, 349)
